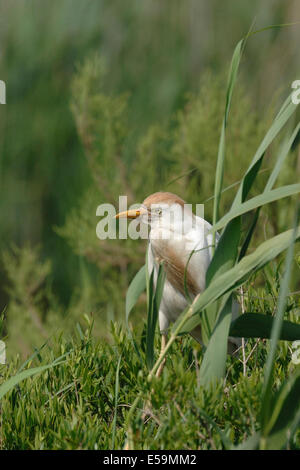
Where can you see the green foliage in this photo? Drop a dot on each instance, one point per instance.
(222, 277)
(196, 139)
(73, 405)
(29, 292)
(161, 155)
(101, 125)
(34, 312)
(134, 145)
(257, 325)
(154, 297)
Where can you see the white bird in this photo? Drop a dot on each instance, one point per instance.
(177, 237)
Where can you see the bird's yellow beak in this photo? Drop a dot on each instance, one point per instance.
(132, 213)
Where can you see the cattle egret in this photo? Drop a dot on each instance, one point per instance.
(176, 237)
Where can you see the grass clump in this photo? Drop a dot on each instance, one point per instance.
(72, 405)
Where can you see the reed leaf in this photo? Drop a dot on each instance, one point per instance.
(221, 151)
(214, 361)
(275, 334)
(258, 201)
(137, 286)
(155, 295)
(237, 275)
(286, 111)
(283, 153)
(258, 325)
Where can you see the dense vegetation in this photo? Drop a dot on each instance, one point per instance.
(76, 405)
(73, 405)
(97, 133)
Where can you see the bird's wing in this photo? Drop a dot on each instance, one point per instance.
(200, 242)
(174, 265)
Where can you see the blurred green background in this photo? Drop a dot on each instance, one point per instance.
(107, 98)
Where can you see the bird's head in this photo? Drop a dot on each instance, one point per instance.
(161, 209)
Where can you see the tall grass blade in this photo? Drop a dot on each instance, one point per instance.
(33, 355)
(258, 201)
(155, 295)
(284, 288)
(214, 361)
(116, 404)
(237, 275)
(25, 374)
(226, 251)
(137, 286)
(249, 235)
(284, 410)
(286, 111)
(223, 259)
(284, 151)
(284, 433)
(221, 151)
(258, 325)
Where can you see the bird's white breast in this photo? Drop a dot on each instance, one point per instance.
(196, 238)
